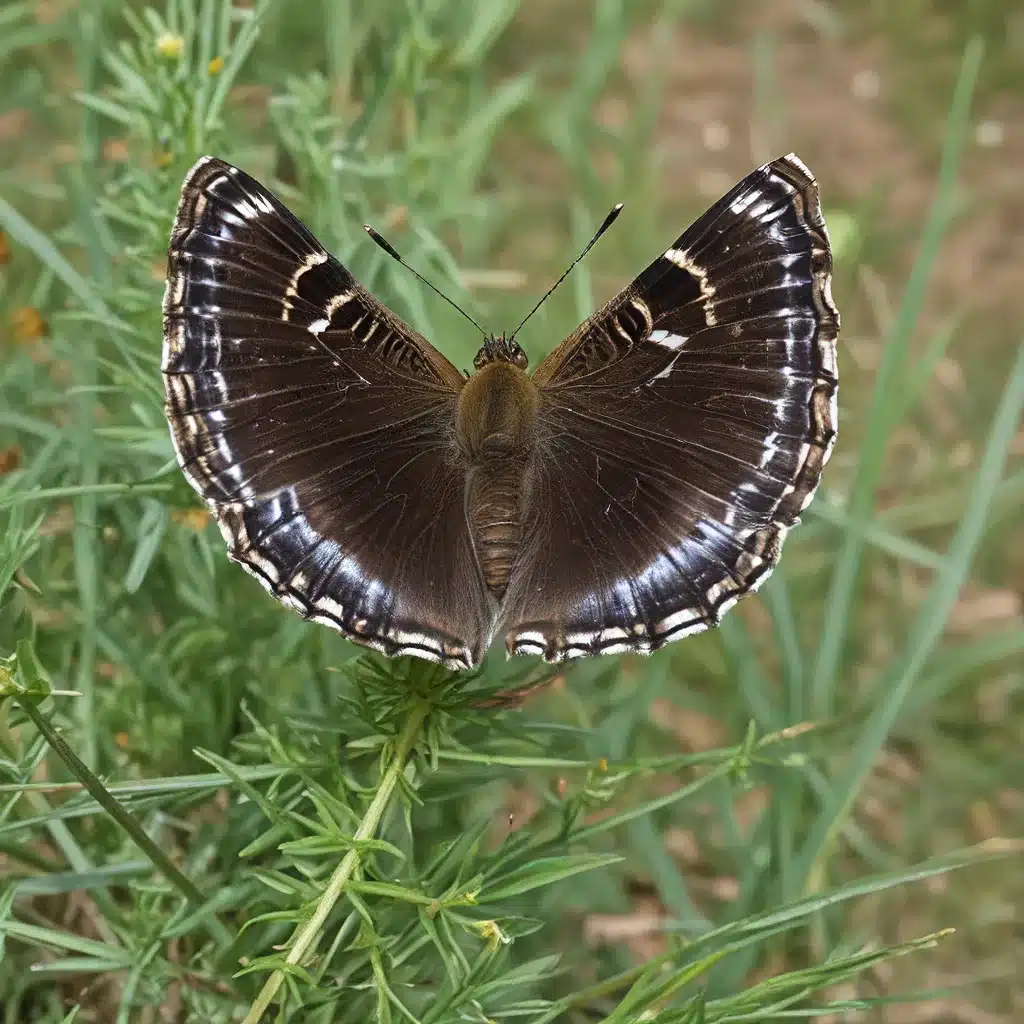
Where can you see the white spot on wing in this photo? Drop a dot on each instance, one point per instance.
(314, 259)
(679, 617)
(531, 637)
(741, 204)
(262, 203)
(336, 303)
(666, 339)
(682, 260)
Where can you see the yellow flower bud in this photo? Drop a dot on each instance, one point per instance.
(169, 45)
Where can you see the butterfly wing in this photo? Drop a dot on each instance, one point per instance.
(682, 429)
(317, 426)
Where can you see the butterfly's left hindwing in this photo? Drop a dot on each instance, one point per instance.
(682, 429)
(318, 427)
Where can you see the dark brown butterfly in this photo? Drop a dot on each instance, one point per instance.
(623, 496)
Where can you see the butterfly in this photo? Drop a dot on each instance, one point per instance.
(624, 495)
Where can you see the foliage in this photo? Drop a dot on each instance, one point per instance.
(263, 816)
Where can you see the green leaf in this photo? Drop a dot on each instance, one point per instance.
(54, 939)
(488, 22)
(545, 871)
(26, 234)
(150, 536)
(391, 891)
(23, 676)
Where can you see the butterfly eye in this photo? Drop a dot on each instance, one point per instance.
(519, 357)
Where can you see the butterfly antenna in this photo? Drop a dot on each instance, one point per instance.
(393, 253)
(606, 224)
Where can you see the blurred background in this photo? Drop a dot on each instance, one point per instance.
(486, 140)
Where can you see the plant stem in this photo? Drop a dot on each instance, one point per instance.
(113, 807)
(309, 932)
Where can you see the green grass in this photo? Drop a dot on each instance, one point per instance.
(209, 806)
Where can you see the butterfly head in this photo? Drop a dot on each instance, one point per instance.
(501, 349)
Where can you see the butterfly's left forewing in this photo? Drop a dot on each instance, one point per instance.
(318, 427)
(681, 430)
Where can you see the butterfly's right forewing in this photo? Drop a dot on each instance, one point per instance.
(682, 429)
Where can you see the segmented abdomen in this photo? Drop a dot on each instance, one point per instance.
(495, 516)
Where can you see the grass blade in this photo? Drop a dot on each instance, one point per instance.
(885, 400)
(897, 683)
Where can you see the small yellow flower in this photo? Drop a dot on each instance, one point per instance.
(491, 931)
(163, 158)
(169, 45)
(602, 765)
(5, 250)
(29, 324)
(216, 66)
(193, 518)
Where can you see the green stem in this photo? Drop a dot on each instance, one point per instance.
(47, 493)
(124, 818)
(310, 931)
